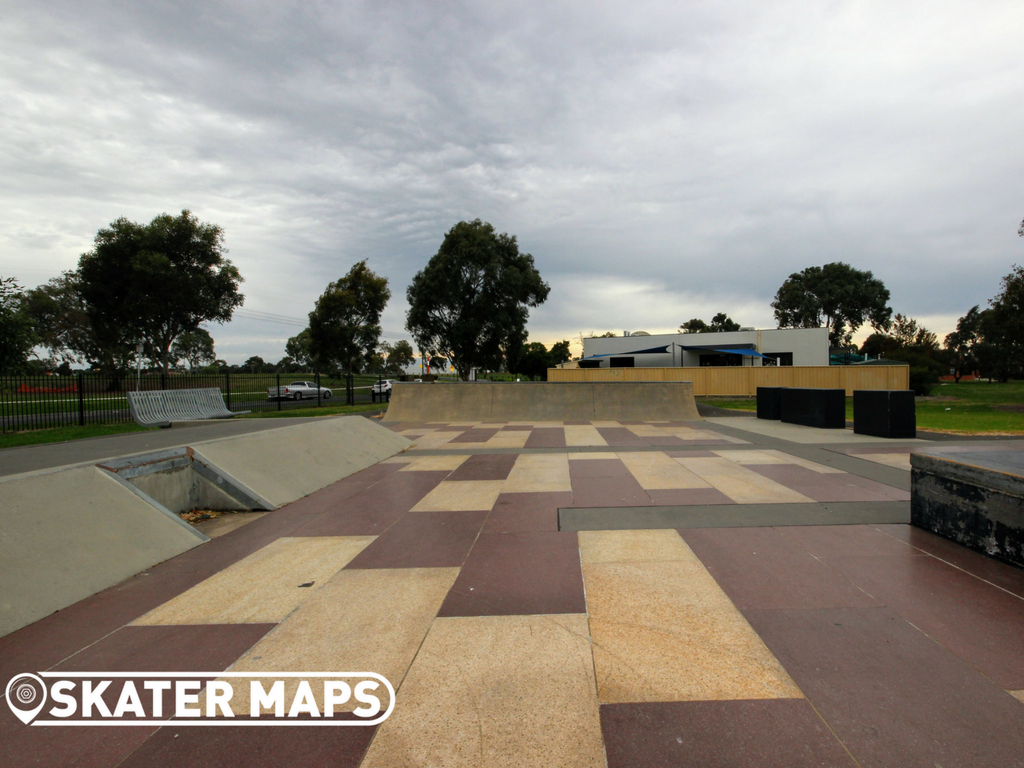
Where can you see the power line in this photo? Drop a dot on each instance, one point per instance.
(295, 322)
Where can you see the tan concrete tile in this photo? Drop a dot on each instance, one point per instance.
(539, 472)
(419, 431)
(898, 460)
(645, 546)
(362, 620)
(466, 424)
(461, 496)
(1019, 695)
(263, 587)
(434, 463)
(593, 455)
(435, 439)
(514, 439)
(775, 457)
(665, 631)
(656, 471)
(496, 691)
(583, 435)
(605, 424)
(647, 430)
(740, 484)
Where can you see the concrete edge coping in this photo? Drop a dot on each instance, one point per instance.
(971, 474)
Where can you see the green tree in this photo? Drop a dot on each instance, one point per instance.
(344, 326)
(471, 302)
(153, 282)
(254, 364)
(909, 343)
(1003, 326)
(16, 337)
(195, 348)
(399, 357)
(836, 296)
(961, 344)
(298, 348)
(695, 325)
(722, 322)
(559, 353)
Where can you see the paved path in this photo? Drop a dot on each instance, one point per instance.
(30, 458)
(785, 640)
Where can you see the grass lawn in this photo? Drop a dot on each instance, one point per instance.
(326, 410)
(970, 407)
(63, 434)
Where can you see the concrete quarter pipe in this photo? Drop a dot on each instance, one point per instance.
(543, 401)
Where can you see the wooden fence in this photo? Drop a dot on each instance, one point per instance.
(744, 380)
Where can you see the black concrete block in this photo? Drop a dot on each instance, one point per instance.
(822, 408)
(885, 413)
(769, 403)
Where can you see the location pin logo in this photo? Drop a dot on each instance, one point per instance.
(22, 692)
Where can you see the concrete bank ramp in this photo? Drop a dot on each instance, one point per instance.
(283, 465)
(70, 532)
(543, 401)
(65, 535)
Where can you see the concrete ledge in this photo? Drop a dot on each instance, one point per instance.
(283, 465)
(543, 401)
(67, 535)
(973, 495)
(733, 515)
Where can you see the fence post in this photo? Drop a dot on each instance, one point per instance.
(279, 391)
(318, 403)
(81, 403)
(163, 380)
(350, 389)
(227, 388)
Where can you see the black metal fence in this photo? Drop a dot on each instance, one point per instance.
(40, 402)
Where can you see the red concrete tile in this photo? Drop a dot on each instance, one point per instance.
(597, 468)
(143, 649)
(446, 428)
(620, 437)
(893, 696)
(845, 540)
(253, 747)
(786, 733)
(1001, 574)
(519, 574)
(474, 436)
(516, 428)
(608, 492)
(546, 437)
(423, 540)
(980, 623)
(760, 568)
(832, 486)
(47, 642)
(485, 466)
(376, 509)
(672, 497)
(526, 512)
(328, 498)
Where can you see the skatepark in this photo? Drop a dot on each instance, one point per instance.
(577, 574)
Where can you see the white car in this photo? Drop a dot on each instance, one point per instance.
(381, 389)
(298, 390)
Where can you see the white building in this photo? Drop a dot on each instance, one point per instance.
(782, 346)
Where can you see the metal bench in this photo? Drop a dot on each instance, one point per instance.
(158, 408)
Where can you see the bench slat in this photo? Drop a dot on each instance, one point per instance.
(160, 407)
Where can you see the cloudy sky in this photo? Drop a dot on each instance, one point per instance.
(660, 160)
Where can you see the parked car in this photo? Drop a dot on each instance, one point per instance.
(381, 389)
(298, 390)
